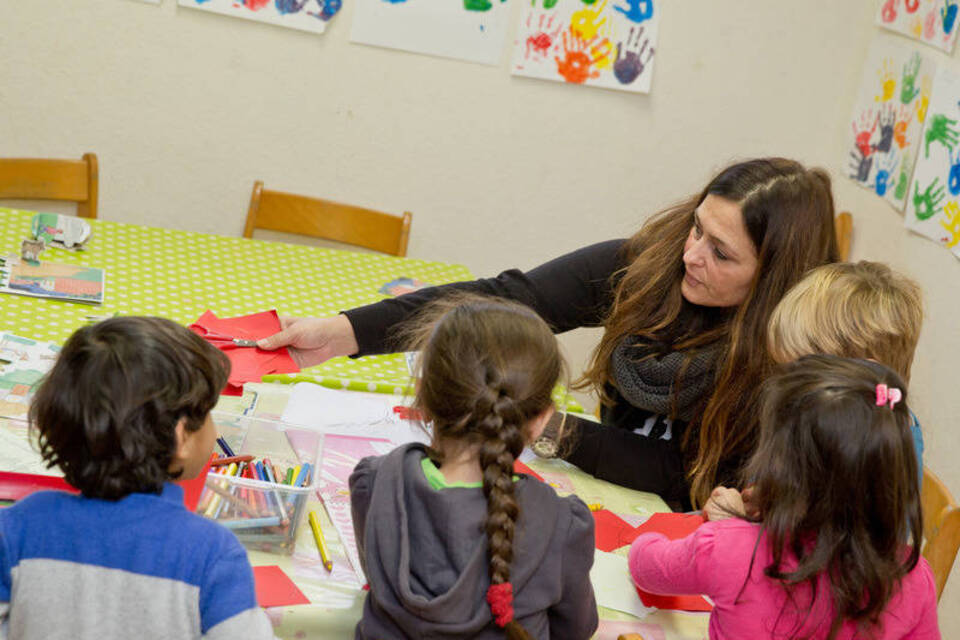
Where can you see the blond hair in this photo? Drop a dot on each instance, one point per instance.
(855, 310)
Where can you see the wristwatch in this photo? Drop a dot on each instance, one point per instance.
(548, 445)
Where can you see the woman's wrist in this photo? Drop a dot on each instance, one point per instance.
(343, 340)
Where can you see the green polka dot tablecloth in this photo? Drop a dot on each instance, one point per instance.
(181, 274)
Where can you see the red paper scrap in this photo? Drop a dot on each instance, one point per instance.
(193, 487)
(15, 486)
(275, 588)
(247, 364)
(674, 526)
(612, 531)
(519, 467)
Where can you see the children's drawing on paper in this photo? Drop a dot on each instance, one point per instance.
(473, 30)
(603, 43)
(934, 206)
(933, 22)
(887, 119)
(305, 15)
(23, 363)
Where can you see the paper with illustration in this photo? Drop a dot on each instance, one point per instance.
(887, 119)
(607, 43)
(934, 207)
(473, 30)
(932, 22)
(304, 15)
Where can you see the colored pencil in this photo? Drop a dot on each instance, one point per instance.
(321, 543)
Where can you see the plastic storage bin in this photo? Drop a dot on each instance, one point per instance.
(264, 515)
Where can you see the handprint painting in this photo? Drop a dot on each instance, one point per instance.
(933, 22)
(933, 209)
(474, 30)
(305, 15)
(887, 119)
(600, 43)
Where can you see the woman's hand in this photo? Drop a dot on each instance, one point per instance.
(724, 503)
(313, 340)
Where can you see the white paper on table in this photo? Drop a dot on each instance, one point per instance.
(473, 30)
(609, 43)
(934, 200)
(887, 119)
(18, 455)
(613, 586)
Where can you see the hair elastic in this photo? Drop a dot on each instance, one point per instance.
(500, 599)
(891, 395)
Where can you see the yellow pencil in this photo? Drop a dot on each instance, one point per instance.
(321, 544)
(296, 472)
(596, 506)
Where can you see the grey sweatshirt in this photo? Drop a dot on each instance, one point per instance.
(424, 551)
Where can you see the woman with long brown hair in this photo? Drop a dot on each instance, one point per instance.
(684, 304)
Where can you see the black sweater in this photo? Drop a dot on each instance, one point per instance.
(642, 451)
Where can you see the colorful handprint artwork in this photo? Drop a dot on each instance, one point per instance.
(603, 43)
(932, 22)
(473, 30)
(305, 15)
(934, 197)
(887, 120)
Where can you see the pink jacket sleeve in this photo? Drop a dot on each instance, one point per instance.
(676, 567)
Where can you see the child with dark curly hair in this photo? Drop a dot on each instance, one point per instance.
(125, 409)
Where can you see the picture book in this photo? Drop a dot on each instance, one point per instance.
(23, 363)
(72, 282)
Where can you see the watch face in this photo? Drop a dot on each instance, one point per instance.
(544, 447)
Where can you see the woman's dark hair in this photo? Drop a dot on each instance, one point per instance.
(106, 414)
(487, 368)
(835, 479)
(788, 213)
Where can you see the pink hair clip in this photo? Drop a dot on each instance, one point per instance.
(891, 395)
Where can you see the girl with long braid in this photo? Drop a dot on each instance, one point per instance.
(453, 543)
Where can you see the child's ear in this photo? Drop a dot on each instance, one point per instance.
(183, 446)
(539, 423)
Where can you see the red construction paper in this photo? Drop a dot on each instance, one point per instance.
(612, 531)
(519, 467)
(674, 526)
(275, 588)
(194, 487)
(247, 364)
(15, 486)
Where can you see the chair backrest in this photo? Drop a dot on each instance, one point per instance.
(941, 527)
(843, 225)
(290, 213)
(48, 179)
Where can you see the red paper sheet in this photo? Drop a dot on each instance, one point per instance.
(194, 487)
(275, 588)
(519, 467)
(247, 364)
(674, 526)
(612, 531)
(15, 486)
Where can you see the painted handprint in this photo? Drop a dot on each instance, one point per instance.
(948, 15)
(904, 117)
(888, 13)
(629, 67)
(547, 4)
(328, 9)
(478, 5)
(927, 204)
(863, 132)
(637, 10)
(255, 5)
(860, 166)
(885, 171)
(586, 22)
(953, 182)
(926, 86)
(886, 120)
(952, 224)
(941, 130)
(901, 191)
(544, 36)
(888, 83)
(580, 56)
(930, 25)
(908, 82)
(911, 5)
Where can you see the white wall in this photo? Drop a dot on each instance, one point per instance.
(186, 109)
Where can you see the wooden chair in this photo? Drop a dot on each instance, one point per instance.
(941, 527)
(289, 213)
(46, 179)
(843, 225)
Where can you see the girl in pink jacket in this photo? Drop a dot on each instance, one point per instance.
(835, 553)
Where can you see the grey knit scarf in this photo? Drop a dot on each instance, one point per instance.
(649, 384)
